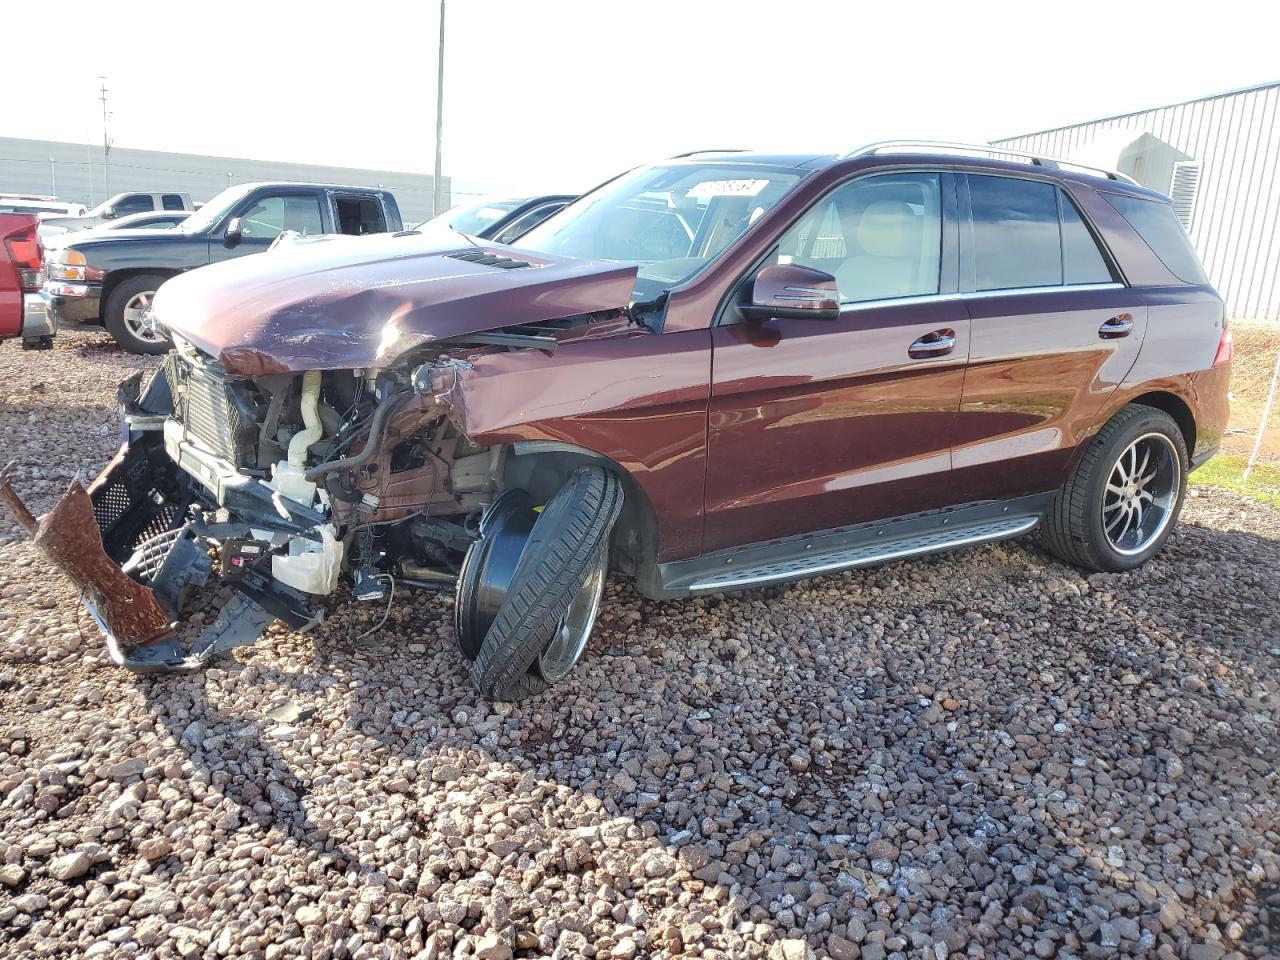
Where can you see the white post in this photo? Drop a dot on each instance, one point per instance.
(53, 178)
(1266, 415)
(435, 183)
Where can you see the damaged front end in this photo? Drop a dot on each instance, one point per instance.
(273, 487)
(143, 536)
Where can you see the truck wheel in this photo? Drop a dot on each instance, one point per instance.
(128, 316)
(1123, 498)
(545, 619)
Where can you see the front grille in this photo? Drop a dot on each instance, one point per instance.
(204, 403)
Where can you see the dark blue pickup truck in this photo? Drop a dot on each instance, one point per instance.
(111, 279)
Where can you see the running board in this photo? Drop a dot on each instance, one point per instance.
(760, 565)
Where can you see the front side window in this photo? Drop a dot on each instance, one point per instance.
(134, 203)
(670, 220)
(1159, 228)
(880, 237)
(471, 218)
(270, 216)
(1015, 233)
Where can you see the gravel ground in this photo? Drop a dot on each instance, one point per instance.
(982, 755)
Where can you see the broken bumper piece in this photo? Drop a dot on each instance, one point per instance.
(136, 604)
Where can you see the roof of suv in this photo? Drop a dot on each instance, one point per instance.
(943, 156)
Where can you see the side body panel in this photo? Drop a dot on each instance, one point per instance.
(820, 424)
(639, 399)
(1184, 328)
(1039, 374)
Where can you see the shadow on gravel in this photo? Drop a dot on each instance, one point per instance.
(984, 728)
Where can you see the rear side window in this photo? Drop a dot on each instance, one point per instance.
(172, 201)
(360, 215)
(1015, 233)
(1027, 233)
(1158, 226)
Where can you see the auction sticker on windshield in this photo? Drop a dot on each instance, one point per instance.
(727, 188)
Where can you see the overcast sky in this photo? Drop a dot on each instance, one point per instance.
(559, 94)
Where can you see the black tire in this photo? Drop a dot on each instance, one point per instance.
(1074, 528)
(563, 550)
(113, 314)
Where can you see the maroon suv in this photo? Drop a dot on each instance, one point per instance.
(717, 372)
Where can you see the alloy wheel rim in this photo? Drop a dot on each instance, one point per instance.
(1141, 494)
(139, 318)
(571, 637)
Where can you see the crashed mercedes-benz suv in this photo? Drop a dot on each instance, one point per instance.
(717, 372)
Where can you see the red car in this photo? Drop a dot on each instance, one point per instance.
(717, 372)
(24, 310)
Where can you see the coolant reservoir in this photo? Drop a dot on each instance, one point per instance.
(291, 481)
(309, 566)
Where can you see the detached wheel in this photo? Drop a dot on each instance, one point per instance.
(128, 317)
(550, 605)
(1123, 498)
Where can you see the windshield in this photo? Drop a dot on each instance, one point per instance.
(215, 209)
(670, 221)
(470, 218)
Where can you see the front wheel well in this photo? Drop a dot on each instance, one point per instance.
(542, 469)
(117, 277)
(1175, 407)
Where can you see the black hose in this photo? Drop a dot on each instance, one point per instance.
(376, 426)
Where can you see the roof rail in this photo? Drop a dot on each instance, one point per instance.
(694, 153)
(986, 150)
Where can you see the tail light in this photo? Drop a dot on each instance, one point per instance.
(27, 255)
(1225, 349)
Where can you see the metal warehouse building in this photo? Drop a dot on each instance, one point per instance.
(1219, 158)
(75, 172)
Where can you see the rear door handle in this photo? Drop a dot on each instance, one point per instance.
(936, 344)
(1118, 326)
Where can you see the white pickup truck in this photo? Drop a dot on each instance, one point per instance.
(121, 205)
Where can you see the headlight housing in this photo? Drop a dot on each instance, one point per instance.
(72, 265)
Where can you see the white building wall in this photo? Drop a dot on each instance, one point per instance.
(1236, 138)
(75, 173)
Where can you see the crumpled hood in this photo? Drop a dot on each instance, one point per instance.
(364, 301)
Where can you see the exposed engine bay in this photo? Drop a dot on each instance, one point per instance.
(278, 486)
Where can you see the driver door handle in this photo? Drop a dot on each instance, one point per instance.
(936, 344)
(1120, 325)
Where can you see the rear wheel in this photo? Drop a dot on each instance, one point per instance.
(129, 318)
(1123, 498)
(550, 605)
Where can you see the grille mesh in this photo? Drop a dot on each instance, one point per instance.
(203, 406)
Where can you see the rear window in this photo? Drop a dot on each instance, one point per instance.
(173, 202)
(1157, 224)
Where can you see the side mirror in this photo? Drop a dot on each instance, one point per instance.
(793, 292)
(109, 213)
(232, 237)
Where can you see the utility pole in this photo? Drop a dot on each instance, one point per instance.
(435, 182)
(106, 139)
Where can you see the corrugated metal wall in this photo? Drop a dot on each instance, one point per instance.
(76, 174)
(1236, 138)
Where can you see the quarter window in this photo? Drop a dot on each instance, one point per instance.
(880, 237)
(1158, 226)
